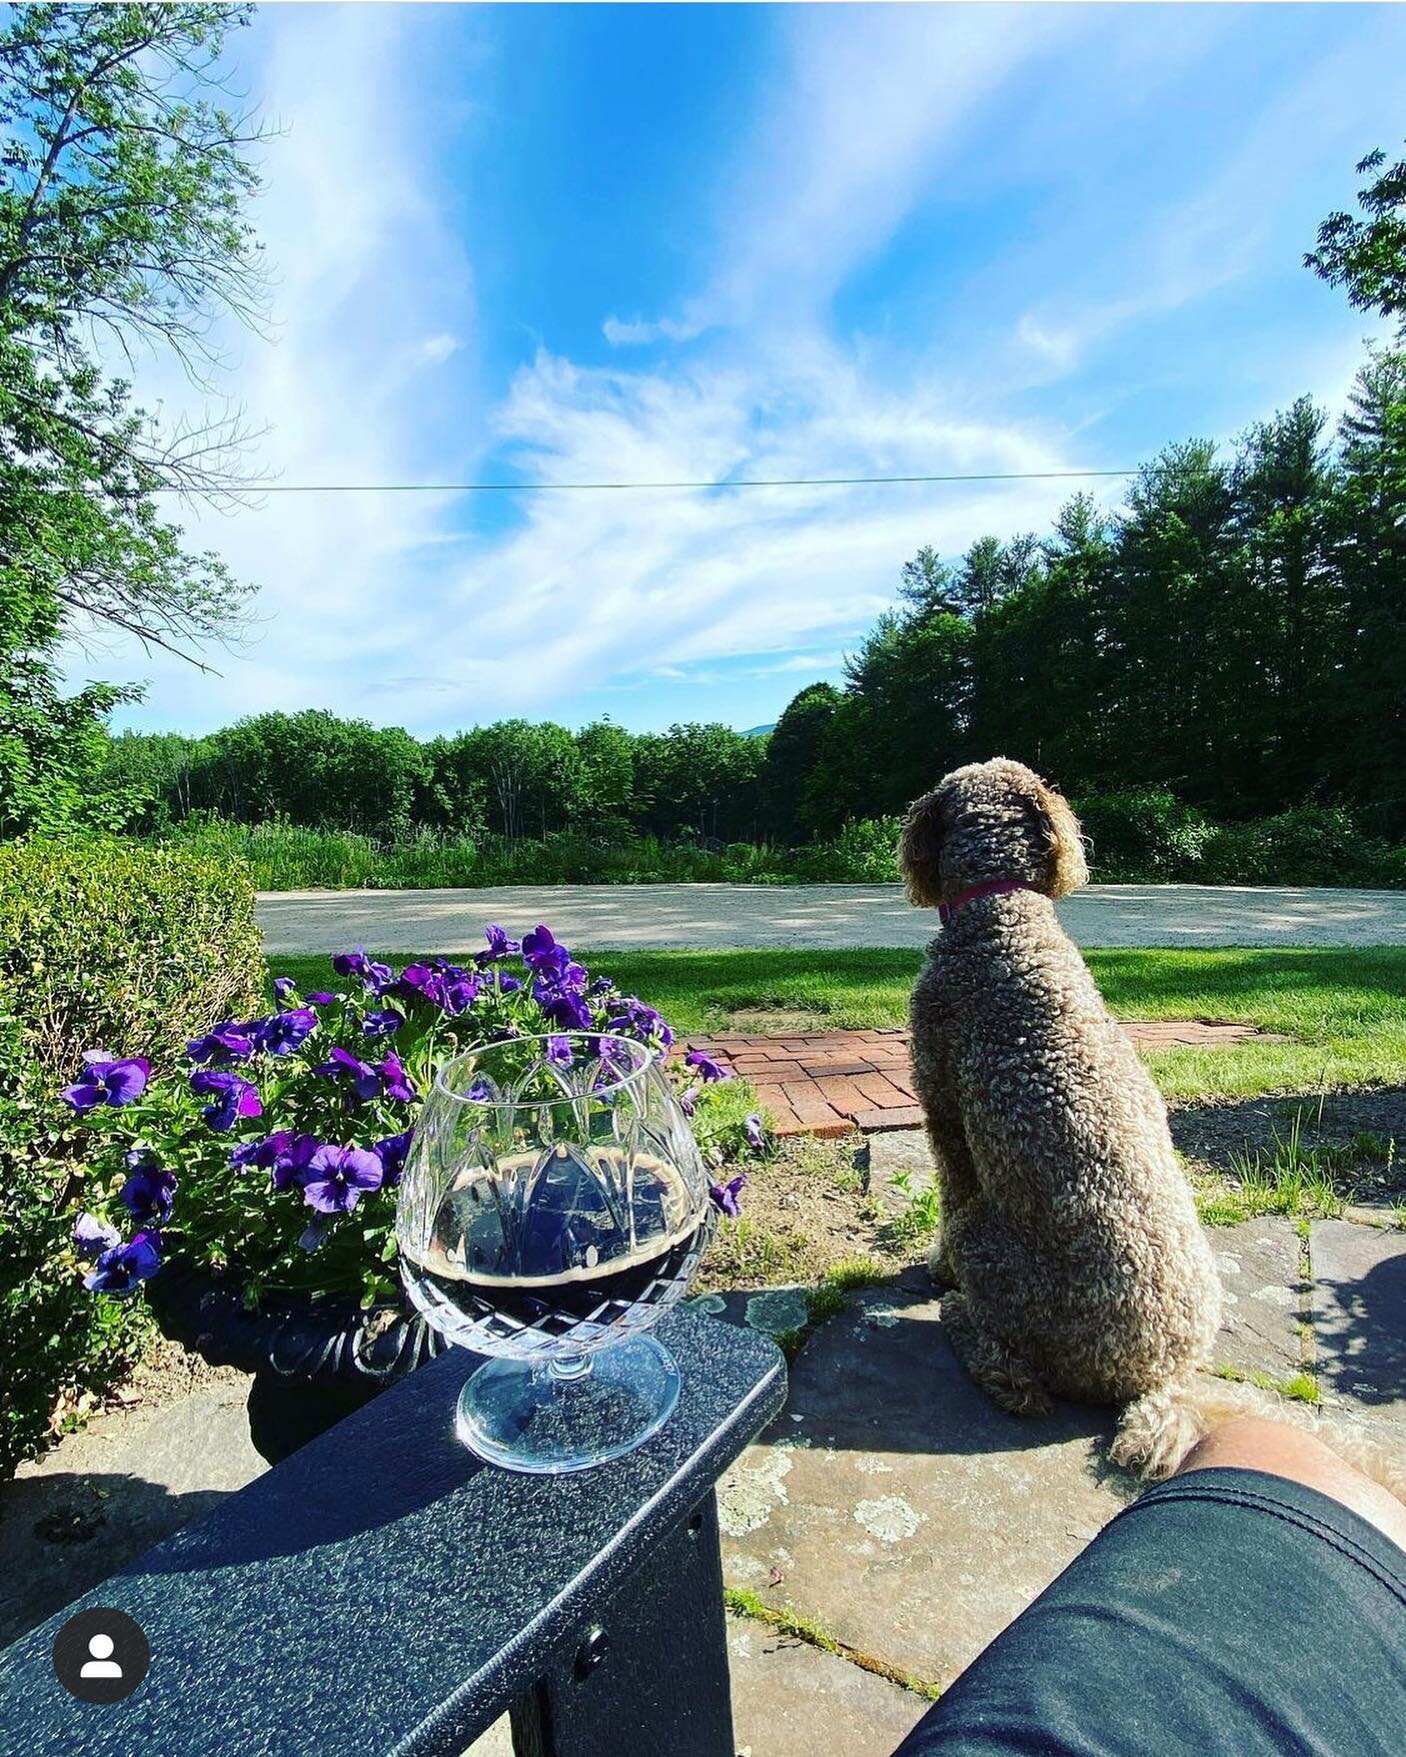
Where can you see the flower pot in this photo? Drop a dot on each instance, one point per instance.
(314, 1360)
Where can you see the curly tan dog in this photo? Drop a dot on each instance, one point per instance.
(1070, 1242)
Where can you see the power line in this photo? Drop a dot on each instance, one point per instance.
(599, 487)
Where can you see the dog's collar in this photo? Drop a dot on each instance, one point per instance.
(987, 888)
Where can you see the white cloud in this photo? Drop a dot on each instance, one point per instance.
(637, 331)
(361, 377)
(590, 586)
(1263, 200)
(858, 118)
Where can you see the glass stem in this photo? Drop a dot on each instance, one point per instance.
(569, 1366)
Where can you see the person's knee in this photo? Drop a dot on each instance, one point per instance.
(1255, 1443)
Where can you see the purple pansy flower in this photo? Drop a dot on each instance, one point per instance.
(399, 1086)
(366, 1082)
(285, 1032)
(415, 979)
(120, 1269)
(91, 1236)
(541, 952)
(499, 945)
(460, 993)
(708, 1069)
(508, 984)
(568, 1010)
(383, 1022)
(391, 1153)
(725, 1195)
(444, 985)
(320, 998)
(374, 977)
(336, 1177)
(284, 1154)
(108, 1081)
(148, 1192)
(283, 987)
(640, 1021)
(559, 1050)
(688, 1101)
(225, 1042)
(231, 1098)
(755, 1130)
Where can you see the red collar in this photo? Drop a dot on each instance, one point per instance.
(987, 888)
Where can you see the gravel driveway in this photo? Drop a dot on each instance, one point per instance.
(616, 916)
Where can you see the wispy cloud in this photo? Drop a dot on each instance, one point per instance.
(594, 585)
(360, 378)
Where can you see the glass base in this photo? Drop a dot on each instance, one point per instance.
(571, 1413)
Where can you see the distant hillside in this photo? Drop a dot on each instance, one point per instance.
(759, 731)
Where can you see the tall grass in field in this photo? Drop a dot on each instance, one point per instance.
(287, 857)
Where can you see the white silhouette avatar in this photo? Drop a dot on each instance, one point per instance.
(102, 1664)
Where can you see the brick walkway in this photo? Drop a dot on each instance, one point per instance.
(829, 1082)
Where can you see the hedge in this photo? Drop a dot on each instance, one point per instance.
(1152, 837)
(107, 945)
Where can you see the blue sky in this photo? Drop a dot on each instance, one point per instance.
(551, 244)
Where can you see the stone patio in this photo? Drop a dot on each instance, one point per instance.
(890, 1505)
(828, 1082)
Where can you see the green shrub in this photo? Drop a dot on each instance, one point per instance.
(106, 945)
(863, 853)
(1142, 837)
(1313, 845)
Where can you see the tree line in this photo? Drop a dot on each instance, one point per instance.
(517, 778)
(1235, 635)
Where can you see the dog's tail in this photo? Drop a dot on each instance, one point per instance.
(1156, 1433)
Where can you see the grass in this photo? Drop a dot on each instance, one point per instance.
(744, 1603)
(291, 857)
(921, 1213)
(1298, 1387)
(1342, 1013)
(1287, 1177)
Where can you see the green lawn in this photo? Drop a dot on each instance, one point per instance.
(1344, 1012)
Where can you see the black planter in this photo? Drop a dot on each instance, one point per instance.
(313, 1360)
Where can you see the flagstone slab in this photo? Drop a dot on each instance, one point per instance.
(790, 1699)
(1264, 1296)
(102, 1496)
(896, 1505)
(1359, 1319)
(903, 1153)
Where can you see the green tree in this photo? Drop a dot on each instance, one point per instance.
(928, 585)
(1372, 558)
(792, 755)
(700, 779)
(531, 776)
(316, 769)
(122, 187)
(1366, 253)
(607, 798)
(1292, 628)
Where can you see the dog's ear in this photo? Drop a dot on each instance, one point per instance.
(1067, 868)
(919, 847)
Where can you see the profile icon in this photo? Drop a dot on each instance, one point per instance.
(101, 1654)
(100, 1663)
